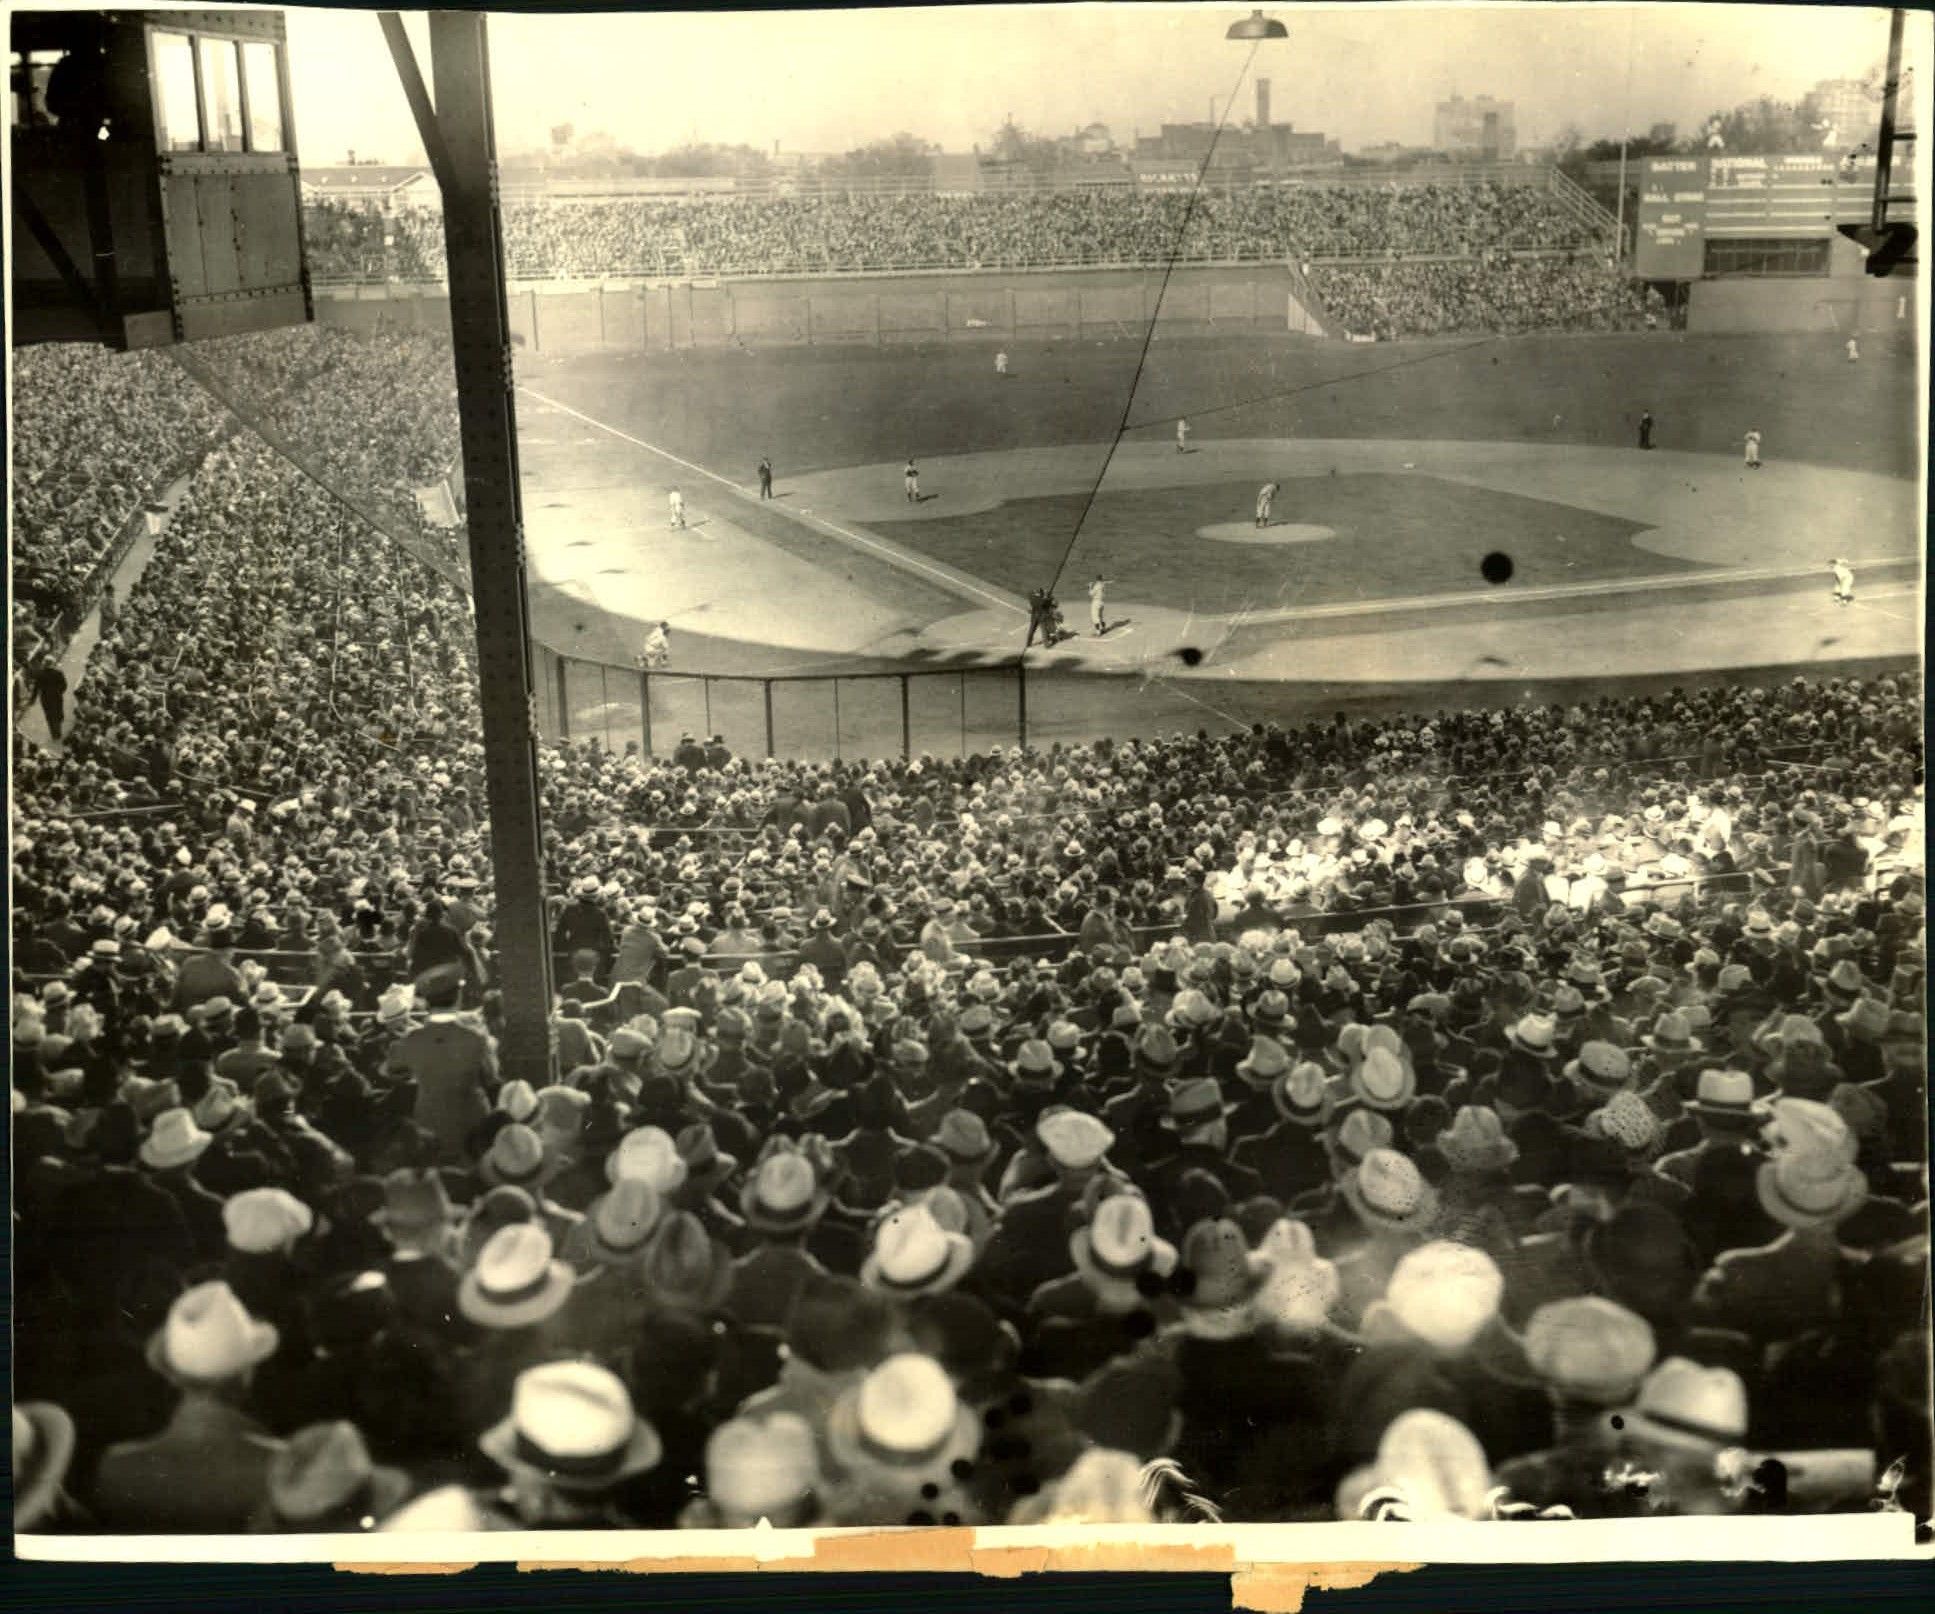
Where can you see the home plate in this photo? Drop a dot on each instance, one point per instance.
(1278, 532)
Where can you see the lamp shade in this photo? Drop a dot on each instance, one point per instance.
(1258, 26)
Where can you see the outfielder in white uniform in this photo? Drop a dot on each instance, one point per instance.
(1753, 451)
(1001, 363)
(658, 646)
(1854, 350)
(1843, 581)
(677, 500)
(1264, 495)
(1182, 436)
(1096, 619)
(912, 480)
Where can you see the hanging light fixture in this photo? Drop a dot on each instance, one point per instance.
(1257, 26)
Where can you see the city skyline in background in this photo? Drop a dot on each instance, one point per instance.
(828, 82)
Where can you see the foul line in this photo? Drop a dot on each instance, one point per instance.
(955, 582)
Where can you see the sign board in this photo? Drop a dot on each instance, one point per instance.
(1686, 201)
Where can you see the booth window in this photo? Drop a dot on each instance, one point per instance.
(1777, 255)
(264, 87)
(181, 128)
(221, 95)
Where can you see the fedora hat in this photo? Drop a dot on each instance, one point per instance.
(1156, 1053)
(1867, 1019)
(1688, 1407)
(914, 1255)
(783, 1195)
(1533, 1034)
(322, 1480)
(762, 1469)
(1193, 1104)
(1361, 1131)
(1811, 1185)
(1074, 1140)
(1303, 1094)
(620, 1222)
(1118, 1247)
(43, 1448)
(685, 1266)
(175, 1141)
(1589, 1349)
(1383, 1080)
(1803, 1123)
(1385, 1190)
(517, 1280)
(1222, 1276)
(1035, 1062)
(1444, 1293)
(1271, 1010)
(964, 1137)
(572, 1425)
(1726, 1098)
(1476, 1141)
(264, 1221)
(209, 1338)
(414, 1201)
(706, 1165)
(1803, 1069)
(517, 1159)
(648, 1154)
(1845, 981)
(1264, 1063)
(221, 1107)
(1301, 1286)
(902, 1423)
(1672, 1035)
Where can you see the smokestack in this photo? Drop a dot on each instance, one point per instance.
(1263, 103)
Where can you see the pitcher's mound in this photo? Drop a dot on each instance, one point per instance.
(1278, 532)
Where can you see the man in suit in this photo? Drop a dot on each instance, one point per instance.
(207, 1471)
(453, 1060)
(780, 1205)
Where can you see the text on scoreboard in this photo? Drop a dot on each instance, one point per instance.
(1686, 201)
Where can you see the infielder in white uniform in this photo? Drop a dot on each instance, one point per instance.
(1264, 495)
(677, 500)
(1182, 436)
(1753, 451)
(1096, 619)
(912, 481)
(658, 646)
(1843, 581)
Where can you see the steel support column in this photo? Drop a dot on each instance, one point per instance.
(460, 129)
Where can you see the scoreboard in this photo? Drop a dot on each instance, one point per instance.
(1686, 201)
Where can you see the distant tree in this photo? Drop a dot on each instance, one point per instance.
(903, 156)
(708, 161)
(1761, 127)
(561, 135)
(1014, 144)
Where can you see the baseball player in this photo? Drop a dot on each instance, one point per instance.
(1854, 350)
(1182, 435)
(1264, 495)
(677, 500)
(1843, 581)
(1646, 428)
(912, 480)
(1096, 618)
(765, 478)
(1753, 451)
(1001, 362)
(658, 646)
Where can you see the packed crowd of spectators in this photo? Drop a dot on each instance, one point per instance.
(838, 232)
(94, 437)
(1493, 292)
(347, 242)
(1343, 1120)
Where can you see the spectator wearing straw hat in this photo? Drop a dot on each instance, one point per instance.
(782, 1201)
(1397, 1209)
(324, 1483)
(207, 1471)
(1291, 1156)
(1683, 1418)
(759, 1471)
(514, 1295)
(569, 1440)
(896, 1443)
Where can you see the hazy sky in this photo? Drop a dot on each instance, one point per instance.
(827, 81)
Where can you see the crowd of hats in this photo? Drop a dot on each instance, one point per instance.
(959, 1246)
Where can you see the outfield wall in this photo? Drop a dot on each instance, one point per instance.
(871, 311)
(1846, 299)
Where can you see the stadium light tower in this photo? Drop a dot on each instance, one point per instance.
(1257, 26)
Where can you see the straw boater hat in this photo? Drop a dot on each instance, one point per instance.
(649, 1155)
(1533, 1034)
(685, 1267)
(571, 1424)
(914, 1255)
(1725, 1098)
(964, 1138)
(210, 1338)
(1073, 1140)
(1035, 1063)
(1386, 1192)
(902, 1425)
(516, 1281)
(265, 1221)
(1119, 1248)
(1382, 1079)
(1602, 1066)
(1812, 1180)
(175, 1141)
(1194, 1104)
(762, 1469)
(1444, 1293)
(517, 1159)
(620, 1223)
(1672, 1035)
(1301, 1286)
